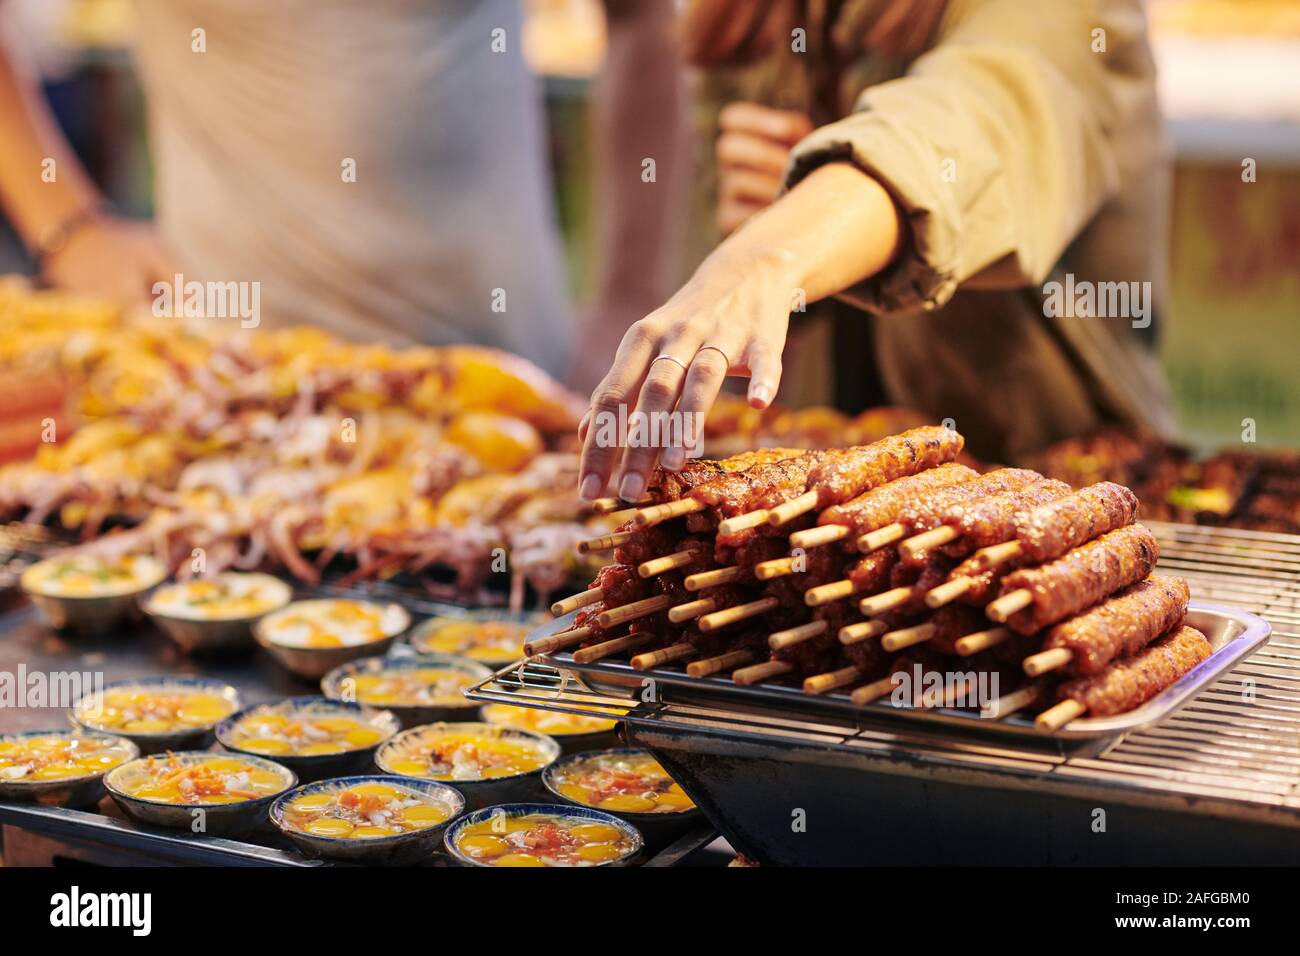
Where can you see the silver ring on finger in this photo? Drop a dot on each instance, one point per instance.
(671, 358)
(724, 355)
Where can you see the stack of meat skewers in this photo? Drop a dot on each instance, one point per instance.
(870, 569)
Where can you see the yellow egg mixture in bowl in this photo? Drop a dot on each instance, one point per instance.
(89, 593)
(158, 713)
(59, 768)
(628, 783)
(311, 638)
(199, 791)
(417, 689)
(535, 834)
(312, 736)
(216, 612)
(485, 763)
(574, 732)
(495, 642)
(368, 819)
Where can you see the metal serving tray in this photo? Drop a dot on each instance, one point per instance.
(1233, 634)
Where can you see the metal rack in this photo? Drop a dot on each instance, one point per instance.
(1233, 751)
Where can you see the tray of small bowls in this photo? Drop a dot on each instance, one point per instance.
(375, 820)
(215, 613)
(89, 594)
(491, 639)
(158, 713)
(540, 834)
(312, 638)
(314, 737)
(486, 764)
(628, 783)
(202, 792)
(573, 732)
(59, 768)
(418, 689)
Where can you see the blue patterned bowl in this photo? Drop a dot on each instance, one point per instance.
(339, 684)
(585, 814)
(80, 791)
(400, 849)
(190, 738)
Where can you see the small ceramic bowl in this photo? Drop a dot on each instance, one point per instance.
(79, 790)
(219, 819)
(478, 793)
(582, 814)
(491, 640)
(310, 767)
(188, 738)
(574, 733)
(213, 630)
(347, 683)
(312, 663)
(660, 827)
(92, 608)
(400, 849)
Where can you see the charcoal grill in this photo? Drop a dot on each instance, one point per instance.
(1216, 782)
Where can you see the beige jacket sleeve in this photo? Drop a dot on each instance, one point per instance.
(995, 145)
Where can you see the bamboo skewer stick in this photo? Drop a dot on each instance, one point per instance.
(626, 514)
(981, 640)
(606, 542)
(1054, 718)
(739, 523)
(875, 540)
(630, 612)
(884, 601)
(1008, 704)
(821, 683)
(691, 609)
(907, 637)
(713, 665)
(558, 642)
(861, 631)
(757, 673)
(948, 591)
(560, 608)
(598, 652)
(826, 593)
(776, 568)
(682, 650)
(918, 544)
(603, 506)
(1007, 605)
(731, 615)
(1050, 660)
(792, 509)
(873, 691)
(711, 579)
(668, 510)
(678, 559)
(996, 554)
(822, 534)
(796, 635)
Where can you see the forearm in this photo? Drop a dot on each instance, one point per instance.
(640, 114)
(835, 228)
(34, 199)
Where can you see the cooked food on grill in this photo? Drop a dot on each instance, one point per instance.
(154, 708)
(979, 522)
(542, 839)
(365, 811)
(59, 755)
(489, 641)
(195, 779)
(229, 595)
(929, 510)
(620, 781)
(333, 622)
(549, 722)
(78, 575)
(464, 751)
(412, 686)
(303, 733)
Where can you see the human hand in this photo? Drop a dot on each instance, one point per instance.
(752, 153)
(111, 257)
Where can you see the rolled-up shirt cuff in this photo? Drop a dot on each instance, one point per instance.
(925, 273)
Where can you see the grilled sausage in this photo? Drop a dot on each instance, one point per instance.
(1123, 624)
(1131, 681)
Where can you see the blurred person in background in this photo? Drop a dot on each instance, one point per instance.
(936, 161)
(445, 233)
